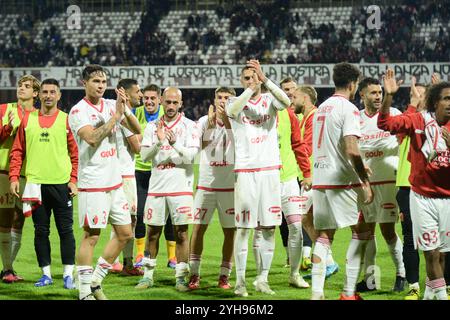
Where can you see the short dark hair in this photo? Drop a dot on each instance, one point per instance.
(126, 83)
(152, 87)
(367, 82)
(286, 80)
(433, 95)
(345, 73)
(90, 69)
(50, 81)
(225, 90)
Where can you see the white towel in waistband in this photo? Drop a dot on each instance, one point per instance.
(31, 198)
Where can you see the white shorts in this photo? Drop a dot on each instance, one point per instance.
(7, 199)
(290, 198)
(205, 202)
(431, 222)
(384, 208)
(257, 199)
(97, 209)
(157, 209)
(336, 208)
(130, 190)
(306, 200)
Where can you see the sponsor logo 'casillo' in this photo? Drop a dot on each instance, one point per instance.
(378, 135)
(257, 121)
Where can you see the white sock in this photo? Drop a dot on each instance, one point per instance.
(100, 272)
(240, 254)
(295, 243)
(5, 250)
(429, 292)
(355, 253)
(370, 257)
(330, 260)
(414, 285)
(68, 270)
(396, 251)
(181, 270)
(439, 288)
(84, 280)
(307, 252)
(16, 241)
(225, 268)
(46, 271)
(267, 250)
(149, 267)
(321, 248)
(194, 263)
(257, 237)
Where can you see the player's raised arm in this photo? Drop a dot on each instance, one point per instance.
(397, 124)
(235, 106)
(282, 100)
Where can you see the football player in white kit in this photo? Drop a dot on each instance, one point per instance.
(380, 152)
(257, 187)
(128, 145)
(94, 122)
(171, 144)
(340, 180)
(215, 189)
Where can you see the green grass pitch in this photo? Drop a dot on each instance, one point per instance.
(122, 288)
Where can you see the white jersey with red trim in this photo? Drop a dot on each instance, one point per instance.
(255, 135)
(217, 159)
(335, 118)
(379, 148)
(126, 156)
(98, 168)
(170, 176)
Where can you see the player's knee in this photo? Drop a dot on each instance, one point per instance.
(42, 230)
(432, 256)
(182, 235)
(388, 232)
(125, 236)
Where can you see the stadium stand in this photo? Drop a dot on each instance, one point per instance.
(273, 33)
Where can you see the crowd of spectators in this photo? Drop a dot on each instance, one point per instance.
(394, 42)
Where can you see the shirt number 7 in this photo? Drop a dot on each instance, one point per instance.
(321, 121)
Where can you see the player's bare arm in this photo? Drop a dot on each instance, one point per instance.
(134, 143)
(352, 152)
(391, 86)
